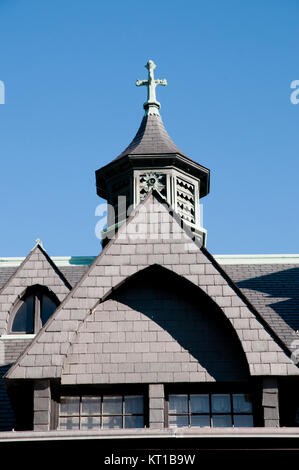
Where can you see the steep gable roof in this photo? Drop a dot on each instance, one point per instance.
(155, 326)
(37, 268)
(269, 282)
(152, 235)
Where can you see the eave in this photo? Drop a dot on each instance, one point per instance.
(135, 161)
(167, 433)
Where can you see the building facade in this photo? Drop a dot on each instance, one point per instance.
(155, 343)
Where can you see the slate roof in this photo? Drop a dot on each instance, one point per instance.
(152, 142)
(273, 289)
(264, 350)
(151, 138)
(5, 273)
(72, 273)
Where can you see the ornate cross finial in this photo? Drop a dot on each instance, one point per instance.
(151, 106)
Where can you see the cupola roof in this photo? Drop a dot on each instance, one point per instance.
(152, 146)
(151, 138)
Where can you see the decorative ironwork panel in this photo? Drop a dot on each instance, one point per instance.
(149, 181)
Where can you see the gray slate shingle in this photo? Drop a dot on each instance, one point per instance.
(151, 138)
(273, 289)
(56, 337)
(72, 273)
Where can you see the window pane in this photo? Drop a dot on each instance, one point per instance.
(24, 319)
(178, 421)
(112, 405)
(199, 403)
(200, 420)
(91, 405)
(47, 308)
(69, 423)
(112, 422)
(69, 405)
(222, 421)
(134, 422)
(90, 422)
(178, 403)
(133, 405)
(242, 403)
(221, 403)
(243, 421)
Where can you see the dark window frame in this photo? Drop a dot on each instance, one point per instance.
(100, 391)
(213, 389)
(38, 292)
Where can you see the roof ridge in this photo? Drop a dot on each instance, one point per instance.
(20, 266)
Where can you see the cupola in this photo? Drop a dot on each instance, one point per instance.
(152, 161)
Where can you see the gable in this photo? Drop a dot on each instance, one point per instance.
(36, 269)
(157, 326)
(151, 236)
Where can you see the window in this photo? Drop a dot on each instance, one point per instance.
(210, 410)
(34, 309)
(101, 412)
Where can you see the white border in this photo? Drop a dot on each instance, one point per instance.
(20, 336)
(221, 259)
(58, 260)
(258, 259)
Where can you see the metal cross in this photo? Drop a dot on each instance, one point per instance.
(151, 84)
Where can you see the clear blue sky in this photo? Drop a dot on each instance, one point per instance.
(69, 69)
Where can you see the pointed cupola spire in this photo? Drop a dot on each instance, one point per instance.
(152, 161)
(151, 137)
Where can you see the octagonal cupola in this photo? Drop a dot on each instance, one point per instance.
(153, 161)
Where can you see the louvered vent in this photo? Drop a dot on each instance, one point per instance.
(185, 193)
